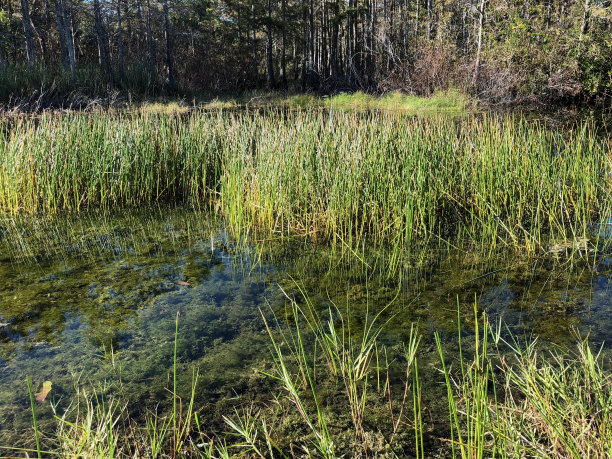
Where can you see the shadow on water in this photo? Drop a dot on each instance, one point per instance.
(92, 299)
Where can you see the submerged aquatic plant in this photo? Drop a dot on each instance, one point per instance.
(505, 399)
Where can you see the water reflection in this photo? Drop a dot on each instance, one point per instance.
(95, 298)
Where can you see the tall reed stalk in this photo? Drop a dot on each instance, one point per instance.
(468, 396)
(342, 176)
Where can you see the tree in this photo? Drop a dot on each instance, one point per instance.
(120, 44)
(269, 53)
(68, 39)
(28, 29)
(151, 42)
(504, 49)
(102, 40)
(481, 21)
(169, 50)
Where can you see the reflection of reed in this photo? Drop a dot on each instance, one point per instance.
(99, 268)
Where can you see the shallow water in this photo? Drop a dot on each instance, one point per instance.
(91, 301)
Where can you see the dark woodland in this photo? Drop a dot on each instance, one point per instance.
(501, 51)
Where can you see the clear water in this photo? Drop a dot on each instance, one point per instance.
(91, 301)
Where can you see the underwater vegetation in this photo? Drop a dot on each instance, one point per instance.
(340, 394)
(90, 303)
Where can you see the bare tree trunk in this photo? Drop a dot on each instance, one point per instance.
(62, 34)
(325, 41)
(317, 49)
(349, 46)
(357, 54)
(14, 46)
(403, 31)
(296, 75)
(584, 28)
(70, 20)
(169, 55)
(101, 36)
(371, 53)
(43, 33)
(334, 43)
(141, 29)
(429, 19)
(304, 68)
(120, 43)
(28, 29)
(269, 56)
(416, 21)
(311, 43)
(465, 33)
(152, 73)
(255, 69)
(481, 19)
(127, 30)
(284, 45)
(69, 43)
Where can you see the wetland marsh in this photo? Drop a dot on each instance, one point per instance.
(317, 265)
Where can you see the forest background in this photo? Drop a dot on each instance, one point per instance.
(56, 52)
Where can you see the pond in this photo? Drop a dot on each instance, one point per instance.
(91, 300)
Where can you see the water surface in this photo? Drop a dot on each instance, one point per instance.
(91, 301)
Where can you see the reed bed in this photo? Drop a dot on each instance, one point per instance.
(389, 177)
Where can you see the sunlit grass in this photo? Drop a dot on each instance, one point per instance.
(166, 108)
(451, 101)
(511, 399)
(448, 101)
(341, 176)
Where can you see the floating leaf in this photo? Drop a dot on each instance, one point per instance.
(42, 395)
